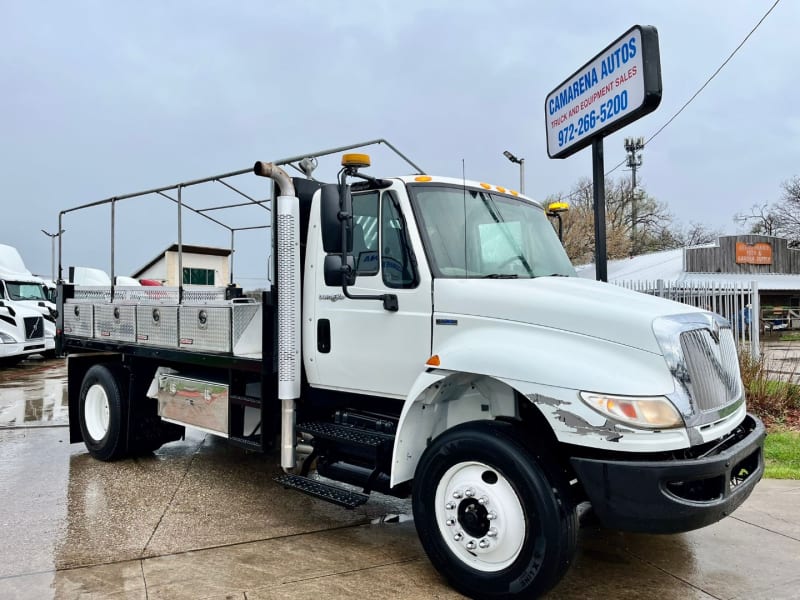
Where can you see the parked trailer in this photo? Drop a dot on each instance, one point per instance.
(426, 336)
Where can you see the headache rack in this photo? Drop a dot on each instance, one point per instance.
(199, 319)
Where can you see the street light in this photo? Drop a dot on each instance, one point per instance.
(521, 163)
(53, 237)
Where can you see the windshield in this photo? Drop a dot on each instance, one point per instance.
(19, 290)
(471, 233)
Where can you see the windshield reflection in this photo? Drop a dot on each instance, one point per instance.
(473, 233)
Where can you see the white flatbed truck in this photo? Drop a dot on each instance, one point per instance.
(426, 336)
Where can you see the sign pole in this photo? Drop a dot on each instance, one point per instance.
(599, 188)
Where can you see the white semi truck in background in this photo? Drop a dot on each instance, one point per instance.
(27, 313)
(426, 337)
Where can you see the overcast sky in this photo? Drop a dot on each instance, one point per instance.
(103, 98)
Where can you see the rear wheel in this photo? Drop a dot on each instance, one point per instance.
(103, 410)
(489, 517)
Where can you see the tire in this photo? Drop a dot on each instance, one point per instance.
(103, 411)
(489, 517)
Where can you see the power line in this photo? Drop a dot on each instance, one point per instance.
(697, 93)
(714, 74)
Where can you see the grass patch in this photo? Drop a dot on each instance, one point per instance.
(789, 337)
(775, 401)
(782, 455)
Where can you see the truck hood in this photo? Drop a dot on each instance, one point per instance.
(19, 310)
(571, 304)
(43, 307)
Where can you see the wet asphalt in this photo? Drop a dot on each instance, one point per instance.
(201, 519)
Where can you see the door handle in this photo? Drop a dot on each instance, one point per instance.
(324, 336)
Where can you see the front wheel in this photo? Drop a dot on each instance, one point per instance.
(489, 517)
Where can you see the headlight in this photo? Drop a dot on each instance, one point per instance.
(650, 412)
(7, 339)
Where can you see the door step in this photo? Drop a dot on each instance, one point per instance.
(324, 491)
(335, 432)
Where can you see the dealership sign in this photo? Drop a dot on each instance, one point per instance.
(618, 86)
(753, 254)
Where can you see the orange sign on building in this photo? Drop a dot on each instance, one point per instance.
(753, 254)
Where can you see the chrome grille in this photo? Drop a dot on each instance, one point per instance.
(713, 367)
(34, 328)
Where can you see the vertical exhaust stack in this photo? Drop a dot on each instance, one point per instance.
(287, 232)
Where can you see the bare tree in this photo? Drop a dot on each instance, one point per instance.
(780, 218)
(653, 221)
(787, 211)
(762, 219)
(695, 234)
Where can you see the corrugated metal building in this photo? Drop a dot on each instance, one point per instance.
(742, 259)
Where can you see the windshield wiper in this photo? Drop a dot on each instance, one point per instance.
(501, 276)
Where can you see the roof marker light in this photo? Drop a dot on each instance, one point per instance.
(355, 160)
(557, 207)
(486, 186)
(423, 178)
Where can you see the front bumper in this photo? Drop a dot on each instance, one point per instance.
(21, 349)
(674, 495)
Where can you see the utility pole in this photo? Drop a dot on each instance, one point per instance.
(521, 163)
(634, 160)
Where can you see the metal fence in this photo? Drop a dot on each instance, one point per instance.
(735, 301)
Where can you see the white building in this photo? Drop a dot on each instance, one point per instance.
(202, 265)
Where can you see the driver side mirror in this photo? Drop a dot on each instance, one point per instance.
(335, 207)
(335, 276)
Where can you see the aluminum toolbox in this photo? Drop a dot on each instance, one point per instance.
(157, 325)
(115, 322)
(201, 404)
(205, 327)
(78, 319)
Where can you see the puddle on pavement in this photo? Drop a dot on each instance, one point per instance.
(33, 393)
(392, 518)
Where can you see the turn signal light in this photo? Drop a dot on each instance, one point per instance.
(434, 361)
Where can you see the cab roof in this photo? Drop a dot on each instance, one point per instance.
(469, 184)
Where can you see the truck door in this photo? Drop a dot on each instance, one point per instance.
(359, 346)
